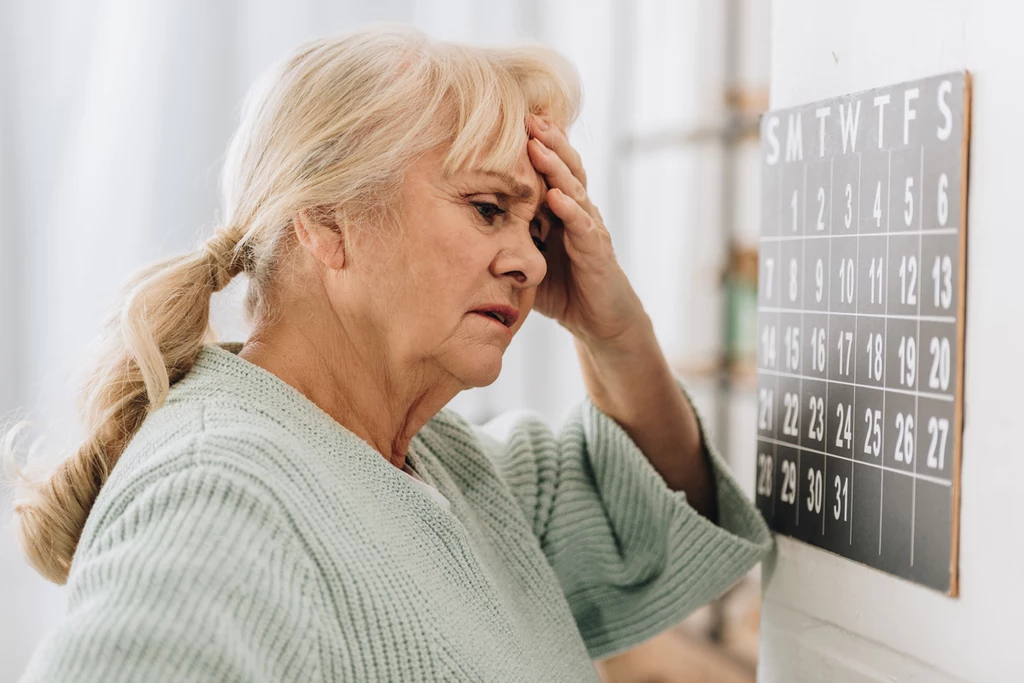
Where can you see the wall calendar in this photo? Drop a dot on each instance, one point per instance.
(861, 299)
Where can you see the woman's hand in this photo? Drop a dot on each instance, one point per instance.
(585, 289)
(624, 369)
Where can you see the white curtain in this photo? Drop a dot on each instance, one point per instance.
(113, 122)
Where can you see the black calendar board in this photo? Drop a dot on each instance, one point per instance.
(861, 325)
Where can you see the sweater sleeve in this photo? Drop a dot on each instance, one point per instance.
(198, 577)
(632, 556)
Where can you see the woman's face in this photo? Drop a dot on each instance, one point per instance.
(458, 283)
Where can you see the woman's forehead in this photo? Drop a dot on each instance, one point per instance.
(521, 184)
(519, 181)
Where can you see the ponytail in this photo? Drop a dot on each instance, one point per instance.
(150, 340)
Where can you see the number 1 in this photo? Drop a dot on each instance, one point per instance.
(793, 204)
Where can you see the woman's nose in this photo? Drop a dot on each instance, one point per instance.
(522, 261)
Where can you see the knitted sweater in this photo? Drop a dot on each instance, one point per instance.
(245, 535)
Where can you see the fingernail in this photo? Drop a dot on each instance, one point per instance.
(541, 146)
(541, 123)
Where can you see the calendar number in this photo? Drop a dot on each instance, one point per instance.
(846, 281)
(939, 376)
(908, 202)
(844, 434)
(789, 423)
(848, 216)
(788, 492)
(942, 274)
(904, 451)
(842, 498)
(908, 361)
(875, 274)
(816, 428)
(765, 398)
(768, 345)
(878, 205)
(814, 486)
(821, 208)
(794, 273)
(908, 281)
(875, 356)
(938, 429)
(769, 270)
(943, 201)
(845, 350)
(764, 476)
(818, 349)
(819, 280)
(793, 348)
(873, 433)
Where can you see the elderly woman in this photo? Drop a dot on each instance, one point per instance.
(300, 507)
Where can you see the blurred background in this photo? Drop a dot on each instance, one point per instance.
(114, 120)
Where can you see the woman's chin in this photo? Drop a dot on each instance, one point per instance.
(483, 368)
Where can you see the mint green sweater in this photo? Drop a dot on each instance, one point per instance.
(245, 535)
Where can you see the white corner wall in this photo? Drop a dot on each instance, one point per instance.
(829, 619)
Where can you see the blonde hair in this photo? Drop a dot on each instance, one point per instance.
(333, 127)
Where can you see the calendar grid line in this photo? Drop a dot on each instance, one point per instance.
(828, 350)
(775, 459)
(885, 468)
(913, 496)
(949, 398)
(799, 469)
(787, 238)
(803, 259)
(852, 469)
(888, 243)
(856, 260)
(778, 291)
(895, 316)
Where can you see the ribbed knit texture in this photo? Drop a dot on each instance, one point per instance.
(245, 535)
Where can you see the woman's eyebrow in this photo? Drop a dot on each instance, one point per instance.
(516, 188)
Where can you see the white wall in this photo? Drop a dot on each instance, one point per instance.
(829, 619)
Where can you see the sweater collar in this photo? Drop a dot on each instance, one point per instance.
(220, 371)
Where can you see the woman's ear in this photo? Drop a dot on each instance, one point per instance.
(321, 236)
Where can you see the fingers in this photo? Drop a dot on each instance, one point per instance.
(556, 172)
(554, 138)
(586, 240)
(583, 235)
(572, 215)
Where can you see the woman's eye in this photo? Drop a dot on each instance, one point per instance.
(537, 241)
(488, 211)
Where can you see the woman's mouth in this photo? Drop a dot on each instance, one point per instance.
(505, 316)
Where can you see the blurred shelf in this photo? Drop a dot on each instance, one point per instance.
(741, 374)
(747, 101)
(741, 265)
(749, 129)
(746, 104)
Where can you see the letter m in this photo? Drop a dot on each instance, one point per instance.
(794, 139)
